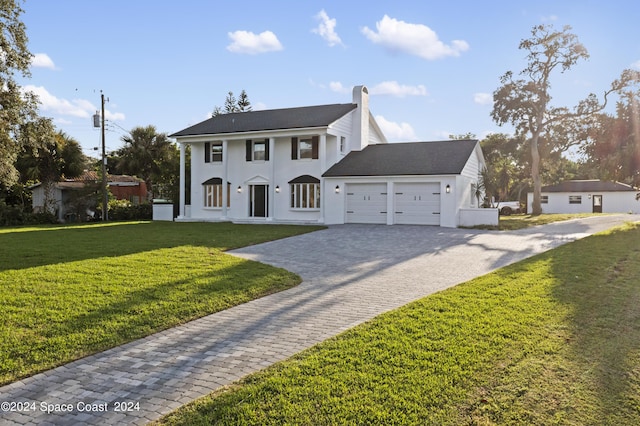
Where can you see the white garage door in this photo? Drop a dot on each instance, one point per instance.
(417, 203)
(366, 203)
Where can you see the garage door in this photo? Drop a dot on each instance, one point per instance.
(417, 203)
(366, 203)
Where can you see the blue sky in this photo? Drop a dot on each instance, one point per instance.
(431, 67)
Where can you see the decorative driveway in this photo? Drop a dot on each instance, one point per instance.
(351, 273)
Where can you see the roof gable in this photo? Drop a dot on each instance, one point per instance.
(411, 158)
(273, 119)
(594, 185)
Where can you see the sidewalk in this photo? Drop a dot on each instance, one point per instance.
(351, 273)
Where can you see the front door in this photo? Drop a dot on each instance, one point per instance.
(258, 200)
(597, 203)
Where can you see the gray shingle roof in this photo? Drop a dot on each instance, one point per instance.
(587, 186)
(273, 119)
(411, 158)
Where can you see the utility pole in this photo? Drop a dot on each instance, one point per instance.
(98, 121)
(105, 191)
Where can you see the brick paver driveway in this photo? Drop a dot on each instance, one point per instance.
(351, 273)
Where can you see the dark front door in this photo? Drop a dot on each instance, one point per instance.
(258, 203)
(597, 203)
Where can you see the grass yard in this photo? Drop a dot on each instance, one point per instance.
(521, 221)
(554, 339)
(70, 291)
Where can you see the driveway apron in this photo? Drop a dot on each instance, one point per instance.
(351, 273)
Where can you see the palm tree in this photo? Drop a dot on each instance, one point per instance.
(49, 162)
(145, 154)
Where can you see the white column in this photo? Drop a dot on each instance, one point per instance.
(323, 168)
(273, 183)
(225, 173)
(182, 179)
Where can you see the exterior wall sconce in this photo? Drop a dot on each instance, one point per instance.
(447, 189)
(277, 189)
(239, 189)
(589, 196)
(337, 189)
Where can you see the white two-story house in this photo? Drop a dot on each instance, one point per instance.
(325, 164)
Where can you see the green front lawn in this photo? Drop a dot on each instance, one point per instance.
(520, 221)
(554, 339)
(69, 291)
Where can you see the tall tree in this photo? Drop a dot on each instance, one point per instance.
(231, 104)
(526, 102)
(145, 154)
(612, 151)
(243, 103)
(17, 109)
(50, 161)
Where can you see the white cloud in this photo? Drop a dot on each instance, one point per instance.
(327, 29)
(113, 116)
(550, 18)
(393, 88)
(42, 60)
(483, 98)
(336, 86)
(250, 43)
(415, 39)
(636, 65)
(80, 108)
(396, 131)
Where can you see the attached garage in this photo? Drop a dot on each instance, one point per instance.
(414, 183)
(366, 203)
(417, 203)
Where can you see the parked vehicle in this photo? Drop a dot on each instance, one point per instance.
(507, 208)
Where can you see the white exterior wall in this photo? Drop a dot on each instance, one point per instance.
(335, 202)
(612, 202)
(278, 171)
(55, 198)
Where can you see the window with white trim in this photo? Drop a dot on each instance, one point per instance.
(305, 192)
(216, 152)
(544, 199)
(305, 148)
(213, 152)
(343, 144)
(575, 199)
(257, 150)
(212, 190)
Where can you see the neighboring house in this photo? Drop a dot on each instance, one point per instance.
(327, 164)
(587, 196)
(122, 187)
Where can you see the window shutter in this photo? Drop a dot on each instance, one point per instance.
(249, 150)
(266, 150)
(207, 152)
(314, 147)
(294, 148)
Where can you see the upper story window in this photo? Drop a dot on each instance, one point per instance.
(257, 150)
(213, 152)
(304, 148)
(343, 144)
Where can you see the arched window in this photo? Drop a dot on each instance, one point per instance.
(212, 189)
(305, 192)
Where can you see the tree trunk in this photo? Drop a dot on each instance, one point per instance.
(536, 208)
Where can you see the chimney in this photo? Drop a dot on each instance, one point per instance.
(360, 130)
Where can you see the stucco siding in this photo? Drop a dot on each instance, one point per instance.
(612, 202)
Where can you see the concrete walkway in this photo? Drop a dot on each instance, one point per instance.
(351, 273)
